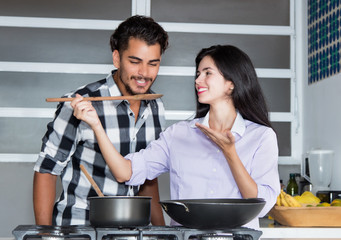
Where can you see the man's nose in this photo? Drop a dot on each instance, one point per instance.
(143, 70)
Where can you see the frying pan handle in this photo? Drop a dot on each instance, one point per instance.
(177, 203)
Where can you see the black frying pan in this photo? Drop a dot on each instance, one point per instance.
(213, 213)
(120, 211)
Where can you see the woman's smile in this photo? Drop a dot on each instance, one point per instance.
(202, 89)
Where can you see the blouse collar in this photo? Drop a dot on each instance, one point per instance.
(238, 126)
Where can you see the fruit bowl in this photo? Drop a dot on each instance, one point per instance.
(307, 216)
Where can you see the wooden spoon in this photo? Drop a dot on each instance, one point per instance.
(91, 180)
(133, 97)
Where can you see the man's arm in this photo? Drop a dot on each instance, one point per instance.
(44, 194)
(151, 188)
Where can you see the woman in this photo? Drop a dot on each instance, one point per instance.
(229, 150)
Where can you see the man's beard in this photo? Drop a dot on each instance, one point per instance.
(128, 88)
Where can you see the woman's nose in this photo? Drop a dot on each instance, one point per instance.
(197, 79)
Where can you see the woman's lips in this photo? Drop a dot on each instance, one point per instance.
(201, 90)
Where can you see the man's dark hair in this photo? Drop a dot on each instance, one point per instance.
(139, 27)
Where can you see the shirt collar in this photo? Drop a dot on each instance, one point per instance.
(238, 126)
(113, 88)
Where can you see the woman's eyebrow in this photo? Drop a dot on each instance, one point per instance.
(206, 68)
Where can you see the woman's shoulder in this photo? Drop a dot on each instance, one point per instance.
(182, 128)
(259, 128)
(183, 124)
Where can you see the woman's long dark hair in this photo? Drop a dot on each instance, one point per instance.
(247, 94)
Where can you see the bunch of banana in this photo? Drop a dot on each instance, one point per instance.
(308, 198)
(287, 200)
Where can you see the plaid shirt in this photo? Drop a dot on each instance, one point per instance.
(69, 142)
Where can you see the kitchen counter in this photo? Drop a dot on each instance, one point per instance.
(272, 231)
(284, 233)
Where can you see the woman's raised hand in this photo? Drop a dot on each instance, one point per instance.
(224, 140)
(83, 110)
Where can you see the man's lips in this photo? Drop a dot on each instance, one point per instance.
(142, 81)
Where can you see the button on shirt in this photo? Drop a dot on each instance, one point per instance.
(198, 168)
(70, 142)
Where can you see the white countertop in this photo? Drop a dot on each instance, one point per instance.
(299, 233)
(276, 232)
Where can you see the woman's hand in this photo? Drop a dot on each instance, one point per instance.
(83, 110)
(224, 140)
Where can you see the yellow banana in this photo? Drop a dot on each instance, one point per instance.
(292, 202)
(278, 200)
(283, 200)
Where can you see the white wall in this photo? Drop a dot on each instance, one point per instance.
(322, 120)
(321, 111)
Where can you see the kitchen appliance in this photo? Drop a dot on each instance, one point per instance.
(213, 213)
(328, 196)
(304, 185)
(30, 232)
(317, 168)
(119, 211)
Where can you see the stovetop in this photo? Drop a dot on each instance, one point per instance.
(54, 232)
(30, 232)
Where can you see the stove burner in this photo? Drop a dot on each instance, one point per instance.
(25, 232)
(176, 233)
(54, 232)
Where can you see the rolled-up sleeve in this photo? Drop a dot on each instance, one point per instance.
(151, 162)
(59, 141)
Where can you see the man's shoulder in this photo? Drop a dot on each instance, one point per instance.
(91, 89)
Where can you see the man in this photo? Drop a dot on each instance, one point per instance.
(137, 45)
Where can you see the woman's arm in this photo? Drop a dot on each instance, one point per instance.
(225, 141)
(119, 166)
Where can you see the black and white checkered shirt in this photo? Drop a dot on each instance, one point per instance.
(69, 142)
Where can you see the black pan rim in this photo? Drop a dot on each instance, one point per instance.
(219, 201)
(120, 197)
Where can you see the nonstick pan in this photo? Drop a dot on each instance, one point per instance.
(117, 211)
(213, 213)
(120, 211)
